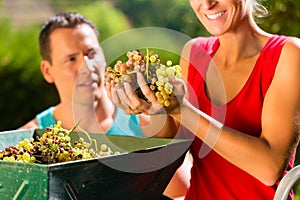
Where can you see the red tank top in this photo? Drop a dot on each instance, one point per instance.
(213, 177)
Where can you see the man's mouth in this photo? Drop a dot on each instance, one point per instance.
(88, 83)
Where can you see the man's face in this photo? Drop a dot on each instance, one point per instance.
(75, 80)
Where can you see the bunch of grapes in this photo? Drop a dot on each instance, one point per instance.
(54, 146)
(157, 74)
(23, 152)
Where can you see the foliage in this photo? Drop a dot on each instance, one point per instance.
(20, 75)
(59, 5)
(173, 14)
(103, 14)
(284, 15)
(23, 87)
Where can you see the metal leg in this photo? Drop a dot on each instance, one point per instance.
(287, 183)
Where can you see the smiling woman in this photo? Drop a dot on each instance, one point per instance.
(243, 95)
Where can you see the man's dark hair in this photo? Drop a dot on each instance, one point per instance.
(60, 20)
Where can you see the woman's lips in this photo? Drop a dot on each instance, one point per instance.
(215, 15)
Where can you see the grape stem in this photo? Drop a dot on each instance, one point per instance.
(86, 134)
(147, 64)
(132, 72)
(76, 125)
(90, 139)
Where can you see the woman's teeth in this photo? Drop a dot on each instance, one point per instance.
(215, 16)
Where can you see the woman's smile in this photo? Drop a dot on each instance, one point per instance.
(215, 16)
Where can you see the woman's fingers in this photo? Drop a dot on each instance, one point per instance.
(179, 88)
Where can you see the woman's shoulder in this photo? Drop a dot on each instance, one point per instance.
(281, 40)
(291, 48)
(290, 57)
(202, 41)
(200, 48)
(293, 44)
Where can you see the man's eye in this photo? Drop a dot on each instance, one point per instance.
(91, 55)
(69, 60)
(72, 59)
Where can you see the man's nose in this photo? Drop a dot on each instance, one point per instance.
(90, 63)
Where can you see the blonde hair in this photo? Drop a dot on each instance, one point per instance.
(257, 9)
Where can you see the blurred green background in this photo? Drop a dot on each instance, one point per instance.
(23, 91)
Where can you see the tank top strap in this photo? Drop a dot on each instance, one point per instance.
(46, 118)
(203, 47)
(269, 58)
(202, 50)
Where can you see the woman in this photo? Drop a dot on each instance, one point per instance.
(248, 82)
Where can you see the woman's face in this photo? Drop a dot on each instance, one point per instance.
(220, 16)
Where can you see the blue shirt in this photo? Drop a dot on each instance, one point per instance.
(123, 124)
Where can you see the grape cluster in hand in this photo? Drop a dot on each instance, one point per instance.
(157, 74)
(54, 146)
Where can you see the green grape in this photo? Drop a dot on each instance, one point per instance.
(160, 88)
(167, 103)
(160, 81)
(153, 87)
(152, 58)
(10, 159)
(26, 157)
(158, 94)
(169, 63)
(103, 147)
